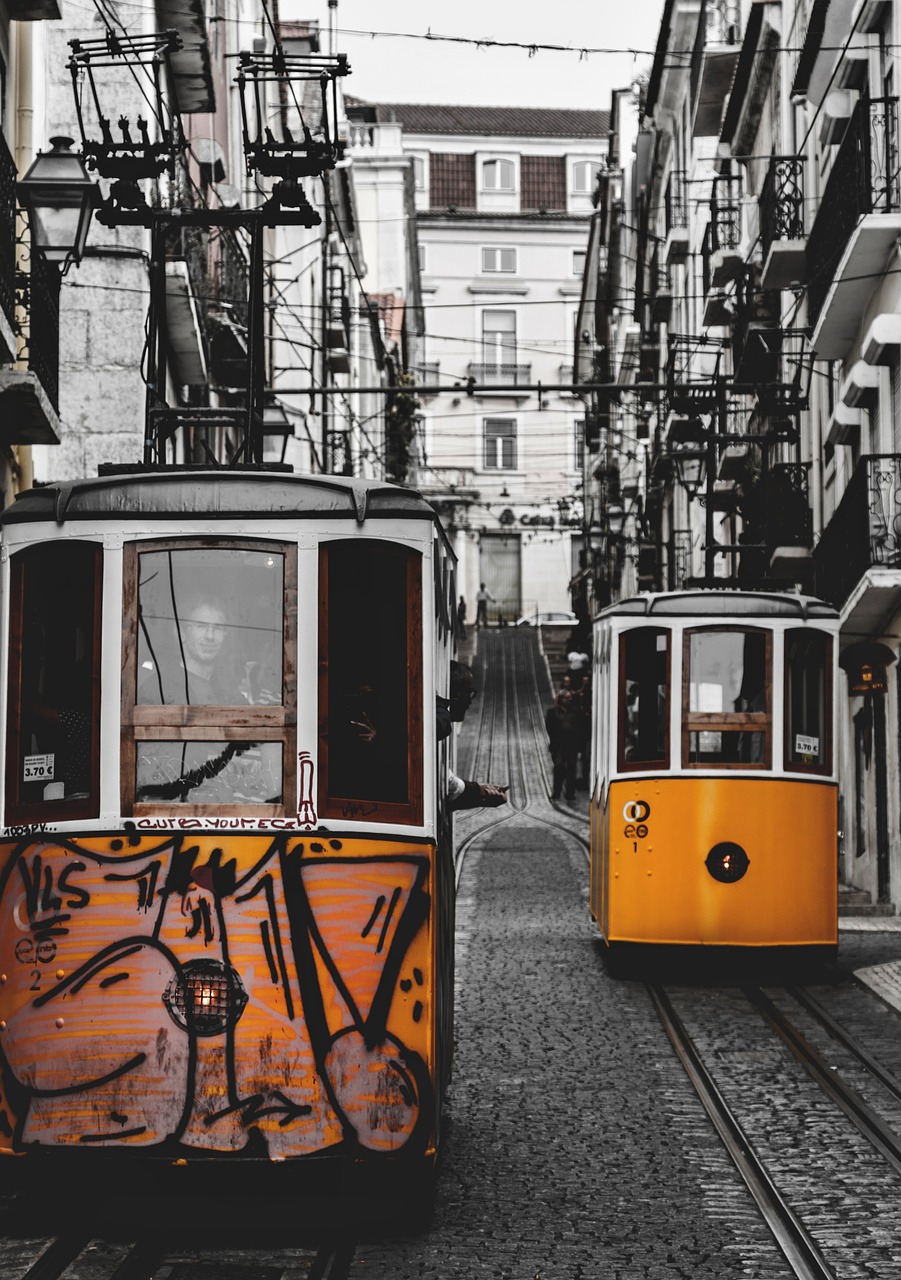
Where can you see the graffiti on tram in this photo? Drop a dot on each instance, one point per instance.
(216, 993)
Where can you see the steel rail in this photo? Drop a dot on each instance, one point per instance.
(866, 1059)
(872, 1126)
(792, 1237)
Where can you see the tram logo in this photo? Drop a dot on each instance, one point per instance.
(636, 811)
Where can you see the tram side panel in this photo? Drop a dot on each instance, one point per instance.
(224, 978)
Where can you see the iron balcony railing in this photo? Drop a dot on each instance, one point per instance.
(679, 559)
(37, 332)
(789, 521)
(782, 202)
(756, 334)
(864, 179)
(676, 201)
(725, 213)
(7, 234)
(500, 374)
(692, 372)
(865, 530)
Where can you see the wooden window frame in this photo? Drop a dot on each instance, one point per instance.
(331, 807)
(22, 814)
(642, 766)
(820, 770)
(185, 723)
(728, 721)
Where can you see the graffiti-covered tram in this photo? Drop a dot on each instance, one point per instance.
(226, 888)
(714, 806)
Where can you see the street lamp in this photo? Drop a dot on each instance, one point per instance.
(691, 468)
(59, 198)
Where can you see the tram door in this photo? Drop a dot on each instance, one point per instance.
(500, 568)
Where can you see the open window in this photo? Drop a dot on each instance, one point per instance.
(53, 730)
(644, 674)
(727, 699)
(370, 682)
(208, 698)
(808, 701)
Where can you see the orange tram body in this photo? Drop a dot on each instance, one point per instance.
(714, 809)
(226, 877)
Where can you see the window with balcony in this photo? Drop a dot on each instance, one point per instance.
(498, 339)
(498, 175)
(497, 259)
(500, 444)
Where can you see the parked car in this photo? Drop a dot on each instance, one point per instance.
(539, 619)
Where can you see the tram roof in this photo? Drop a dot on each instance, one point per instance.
(184, 492)
(721, 603)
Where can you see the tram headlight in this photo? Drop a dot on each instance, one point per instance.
(207, 997)
(727, 862)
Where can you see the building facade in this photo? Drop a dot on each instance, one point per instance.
(502, 207)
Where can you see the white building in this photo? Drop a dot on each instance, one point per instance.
(503, 201)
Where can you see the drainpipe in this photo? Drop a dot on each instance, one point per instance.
(22, 38)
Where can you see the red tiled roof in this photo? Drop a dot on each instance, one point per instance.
(541, 122)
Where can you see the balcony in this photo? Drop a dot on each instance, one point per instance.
(692, 374)
(725, 231)
(504, 375)
(675, 203)
(756, 334)
(29, 399)
(789, 522)
(857, 223)
(857, 561)
(7, 253)
(782, 224)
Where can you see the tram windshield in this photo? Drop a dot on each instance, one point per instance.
(727, 698)
(52, 750)
(644, 704)
(808, 702)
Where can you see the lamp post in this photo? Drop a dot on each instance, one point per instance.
(59, 198)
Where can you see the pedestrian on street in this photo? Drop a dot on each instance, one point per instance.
(461, 618)
(565, 731)
(483, 595)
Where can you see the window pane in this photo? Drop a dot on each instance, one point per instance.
(727, 672)
(371, 681)
(643, 715)
(209, 772)
(807, 661)
(726, 746)
(53, 658)
(210, 627)
(500, 443)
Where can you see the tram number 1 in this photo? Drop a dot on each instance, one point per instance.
(636, 813)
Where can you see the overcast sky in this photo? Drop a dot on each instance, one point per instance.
(389, 69)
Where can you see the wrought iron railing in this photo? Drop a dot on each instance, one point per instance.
(7, 233)
(500, 373)
(756, 333)
(789, 522)
(864, 179)
(692, 372)
(865, 529)
(725, 213)
(37, 293)
(782, 202)
(676, 200)
(230, 276)
(679, 560)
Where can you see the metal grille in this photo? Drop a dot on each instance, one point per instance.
(206, 997)
(7, 233)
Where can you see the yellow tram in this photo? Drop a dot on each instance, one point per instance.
(226, 882)
(714, 804)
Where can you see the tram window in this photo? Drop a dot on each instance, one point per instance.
(53, 756)
(727, 718)
(644, 702)
(208, 677)
(808, 701)
(209, 627)
(370, 746)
